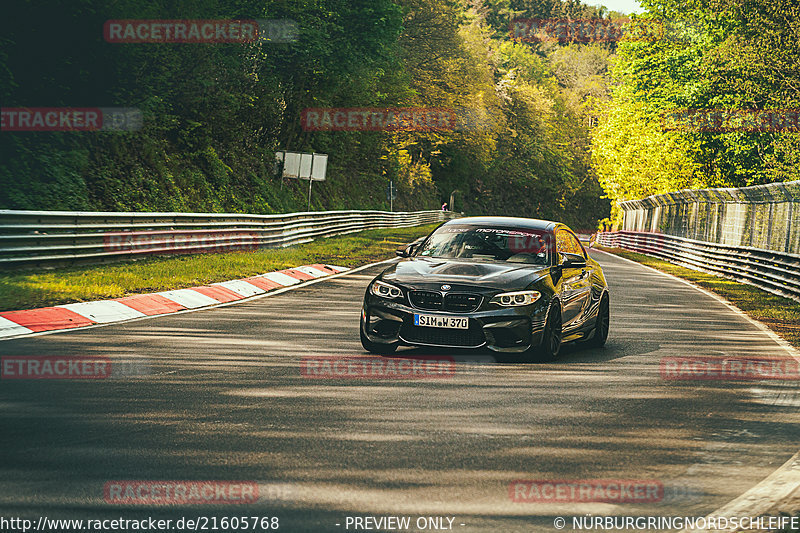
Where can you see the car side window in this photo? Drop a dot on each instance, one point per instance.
(579, 249)
(583, 250)
(567, 242)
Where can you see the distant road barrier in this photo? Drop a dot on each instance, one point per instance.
(775, 272)
(766, 217)
(49, 238)
(749, 234)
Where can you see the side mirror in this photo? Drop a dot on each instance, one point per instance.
(406, 251)
(572, 260)
(409, 249)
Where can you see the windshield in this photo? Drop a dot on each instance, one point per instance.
(487, 243)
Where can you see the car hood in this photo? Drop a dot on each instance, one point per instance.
(420, 271)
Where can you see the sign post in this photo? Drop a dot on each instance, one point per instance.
(391, 194)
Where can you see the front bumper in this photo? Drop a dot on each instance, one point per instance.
(506, 330)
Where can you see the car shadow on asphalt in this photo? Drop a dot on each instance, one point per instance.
(573, 352)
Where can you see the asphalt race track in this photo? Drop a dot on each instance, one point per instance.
(218, 395)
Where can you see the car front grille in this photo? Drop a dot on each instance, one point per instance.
(461, 302)
(456, 302)
(428, 300)
(471, 337)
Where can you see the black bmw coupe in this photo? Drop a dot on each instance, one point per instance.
(516, 286)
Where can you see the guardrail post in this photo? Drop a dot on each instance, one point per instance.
(788, 244)
(769, 226)
(790, 200)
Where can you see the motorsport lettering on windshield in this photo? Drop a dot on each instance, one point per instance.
(499, 231)
(487, 243)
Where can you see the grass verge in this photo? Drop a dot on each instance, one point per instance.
(782, 315)
(31, 289)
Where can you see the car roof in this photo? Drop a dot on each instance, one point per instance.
(518, 222)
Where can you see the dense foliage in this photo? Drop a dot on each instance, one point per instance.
(215, 114)
(716, 54)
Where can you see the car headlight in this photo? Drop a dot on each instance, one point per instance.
(511, 299)
(384, 290)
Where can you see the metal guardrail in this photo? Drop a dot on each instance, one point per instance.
(775, 272)
(760, 216)
(47, 238)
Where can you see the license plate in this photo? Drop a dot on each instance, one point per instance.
(437, 321)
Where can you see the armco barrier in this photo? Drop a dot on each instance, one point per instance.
(46, 238)
(766, 217)
(776, 272)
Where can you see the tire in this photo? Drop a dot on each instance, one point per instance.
(550, 346)
(602, 325)
(375, 347)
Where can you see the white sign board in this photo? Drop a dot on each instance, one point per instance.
(302, 165)
(305, 166)
(319, 168)
(291, 165)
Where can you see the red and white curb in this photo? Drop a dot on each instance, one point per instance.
(77, 315)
